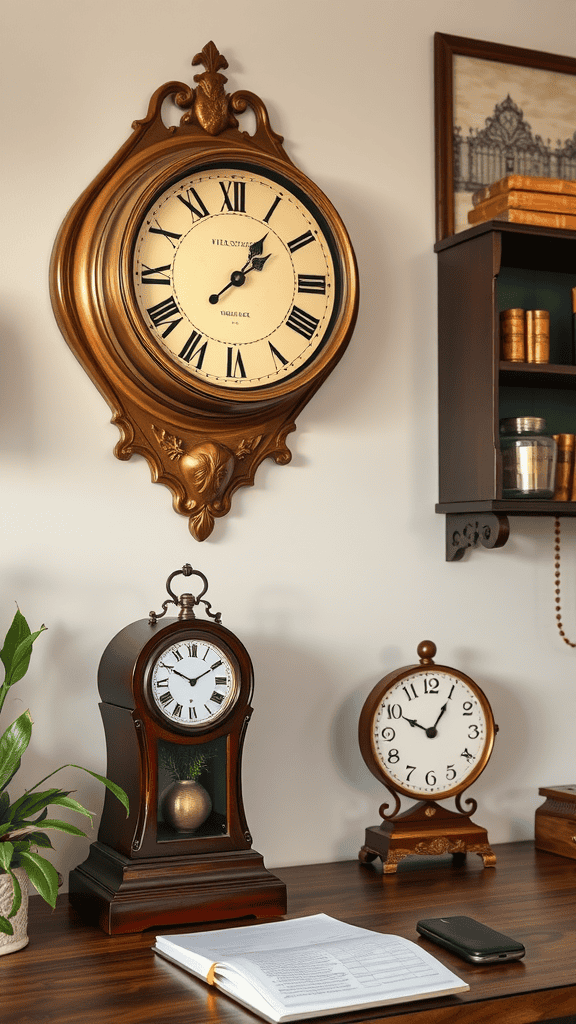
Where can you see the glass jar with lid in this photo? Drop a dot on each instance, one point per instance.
(528, 458)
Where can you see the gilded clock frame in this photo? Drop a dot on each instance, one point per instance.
(201, 440)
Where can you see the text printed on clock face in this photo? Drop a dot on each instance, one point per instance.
(429, 732)
(234, 277)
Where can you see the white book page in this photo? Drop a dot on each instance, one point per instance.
(331, 964)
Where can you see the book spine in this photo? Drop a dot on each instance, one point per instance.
(547, 220)
(540, 201)
(563, 488)
(524, 183)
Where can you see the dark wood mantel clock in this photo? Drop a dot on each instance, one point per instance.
(208, 288)
(175, 705)
(426, 732)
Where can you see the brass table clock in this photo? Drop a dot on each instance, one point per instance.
(175, 705)
(426, 731)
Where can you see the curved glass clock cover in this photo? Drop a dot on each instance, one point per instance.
(431, 733)
(193, 683)
(236, 276)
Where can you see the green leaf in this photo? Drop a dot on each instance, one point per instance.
(5, 926)
(17, 632)
(6, 854)
(12, 745)
(62, 826)
(17, 649)
(4, 806)
(116, 790)
(32, 839)
(33, 803)
(42, 874)
(67, 801)
(16, 895)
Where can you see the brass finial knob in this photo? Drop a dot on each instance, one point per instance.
(426, 651)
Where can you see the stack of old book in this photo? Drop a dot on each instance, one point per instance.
(549, 202)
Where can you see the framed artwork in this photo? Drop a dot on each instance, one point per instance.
(499, 110)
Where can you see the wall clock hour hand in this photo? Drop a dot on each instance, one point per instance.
(238, 277)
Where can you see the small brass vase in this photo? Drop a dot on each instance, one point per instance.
(185, 805)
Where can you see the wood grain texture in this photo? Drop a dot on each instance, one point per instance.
(71, 973)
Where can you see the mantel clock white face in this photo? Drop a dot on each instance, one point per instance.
(431, 734)
(235, 276)
(193, 684)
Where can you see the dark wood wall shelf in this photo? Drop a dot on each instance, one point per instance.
(481, 271)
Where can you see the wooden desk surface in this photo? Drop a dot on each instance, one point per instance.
(71, 973)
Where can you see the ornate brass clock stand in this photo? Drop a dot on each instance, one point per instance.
(425, 830)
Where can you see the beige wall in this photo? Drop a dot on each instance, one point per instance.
(328, 592)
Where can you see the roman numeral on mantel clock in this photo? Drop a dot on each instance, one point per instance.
(426, 732)
(208, 287)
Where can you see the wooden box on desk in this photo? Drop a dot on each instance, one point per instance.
(556, 821)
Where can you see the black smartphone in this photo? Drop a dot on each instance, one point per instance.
(471, 940)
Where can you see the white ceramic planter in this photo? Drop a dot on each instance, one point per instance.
(10, 943)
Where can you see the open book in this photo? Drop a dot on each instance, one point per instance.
(310, 967)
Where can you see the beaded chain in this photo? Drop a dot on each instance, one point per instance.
(557, 582)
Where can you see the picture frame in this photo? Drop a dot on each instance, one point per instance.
(542, 101)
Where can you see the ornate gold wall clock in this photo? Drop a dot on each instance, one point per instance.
(175, 705)
(426, 731)
(208, 288)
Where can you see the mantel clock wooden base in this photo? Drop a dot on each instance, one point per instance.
(123, 895)
(426, 830)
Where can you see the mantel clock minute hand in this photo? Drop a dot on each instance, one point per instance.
(433, 731)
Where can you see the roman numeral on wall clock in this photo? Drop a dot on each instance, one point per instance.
(194, 350)
(238, 202)
(165, 312)
(302, 322)
(196, 211)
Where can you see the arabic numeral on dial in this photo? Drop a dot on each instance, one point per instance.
(394, 711)
(393, 756)
(409, 769)
(410, 691)
(450, 772)
(431, 685)
(430, 779)
(468, 706)
(473, 732)
(388, 735)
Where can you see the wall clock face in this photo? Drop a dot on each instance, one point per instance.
(208, 287)
(235, 276)
(193, 683)
(430, 733)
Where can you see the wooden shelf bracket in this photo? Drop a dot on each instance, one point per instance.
(469, 530)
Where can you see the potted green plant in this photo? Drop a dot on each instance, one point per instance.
(23, 822)
(185, 804)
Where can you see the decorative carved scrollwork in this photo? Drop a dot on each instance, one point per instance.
(468, 531)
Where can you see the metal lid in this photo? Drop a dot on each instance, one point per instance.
(523, 425)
